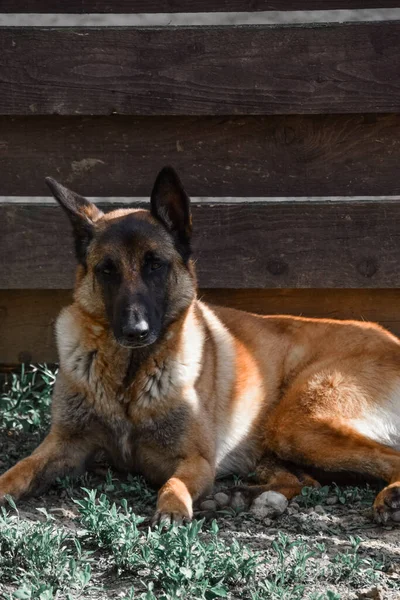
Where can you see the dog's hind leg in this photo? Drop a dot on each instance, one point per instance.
(58, 455)
(274, 475)
(332, 445)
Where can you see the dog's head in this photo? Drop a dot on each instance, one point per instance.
(134, 265)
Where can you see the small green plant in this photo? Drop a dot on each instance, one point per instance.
(351, 567)
(25, 400)
(311, 496)
(179, 562)
(40, 557)
(353, 494)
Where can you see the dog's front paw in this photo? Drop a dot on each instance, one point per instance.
(166, 519)
(174, 505)
(387, 505)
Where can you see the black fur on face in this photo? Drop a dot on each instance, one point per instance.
(133, 276)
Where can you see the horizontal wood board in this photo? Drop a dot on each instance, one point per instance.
(348, 244)
(341, 68)
(184, 6)
(331, 155)
(27, 317)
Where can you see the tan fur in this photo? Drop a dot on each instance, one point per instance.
(223, 391)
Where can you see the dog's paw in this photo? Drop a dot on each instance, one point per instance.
(166, 519)
(387, 505)
(172, 510)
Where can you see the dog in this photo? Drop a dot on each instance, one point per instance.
(183, 392)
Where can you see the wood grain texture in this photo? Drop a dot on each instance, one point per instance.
(347, 244)
(335, 155)
(27, 317)
(27, 324)
(184, 6)
(342, 68)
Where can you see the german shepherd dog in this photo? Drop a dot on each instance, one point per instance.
(183, 392)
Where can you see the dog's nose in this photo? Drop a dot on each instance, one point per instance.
(137, 332)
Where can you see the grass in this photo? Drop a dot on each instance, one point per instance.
(311, 496)
(109, 550)
(25, 399)
(47, 561)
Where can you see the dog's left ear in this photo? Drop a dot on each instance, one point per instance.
(170, 204)
(81, 212)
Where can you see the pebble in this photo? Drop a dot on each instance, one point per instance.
(63, 512)
(332, 500)
(374, 593)
(221, 499)
(269, 504)
(319, 509)
(238, 502)
(208, 505)
(396, 516)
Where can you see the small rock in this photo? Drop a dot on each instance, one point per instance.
(238, 502)
(396, 516)
(269, 504)
(374, 593)
(63, 512)
(319, 510)
(208, 505)
(332, 500)
(221, 499)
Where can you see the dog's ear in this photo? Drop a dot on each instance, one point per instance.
(170, 204)
(81, 212)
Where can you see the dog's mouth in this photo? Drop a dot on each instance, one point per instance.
(139, 343)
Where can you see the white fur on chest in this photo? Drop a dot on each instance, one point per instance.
(382, 422)
(73, 355)
(165, 381)
(175, 376)
(237, 418)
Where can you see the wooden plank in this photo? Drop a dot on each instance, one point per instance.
(334, 155)
(341, 68)
(347, 244)
(183, 6)
(27, 324)
(27, 317)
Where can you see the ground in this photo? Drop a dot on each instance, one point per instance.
(91, 538)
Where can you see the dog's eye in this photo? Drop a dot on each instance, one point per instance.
(155, 264)
(152, 262)
(106, 269)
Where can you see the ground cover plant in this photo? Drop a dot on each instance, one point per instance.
(91, 538)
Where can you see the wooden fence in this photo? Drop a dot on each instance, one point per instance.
(287, 137)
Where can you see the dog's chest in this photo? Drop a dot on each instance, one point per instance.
(159, 382)
(165, 431)
(138, 417)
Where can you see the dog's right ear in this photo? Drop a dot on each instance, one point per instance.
(81, 212)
